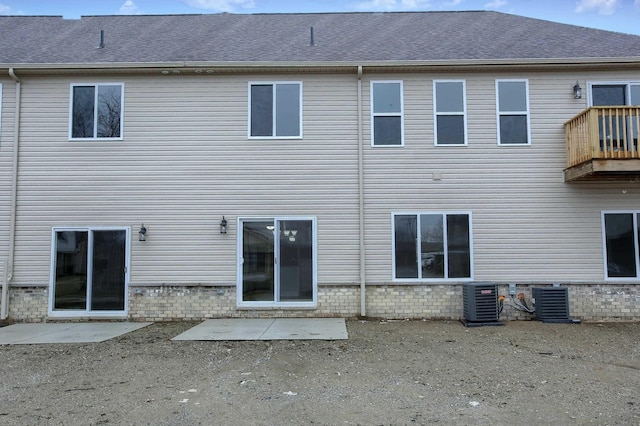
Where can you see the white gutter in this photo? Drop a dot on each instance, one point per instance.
(8, 266)
(363, 270)
(578, 61)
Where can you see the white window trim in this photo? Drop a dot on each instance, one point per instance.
(627, 83)
(239, 260)
(463, 113)
(387, 114)
(52, 273)
(635, 214)
(95, 106)
(527, 112)
(427, 212)
(273, 124)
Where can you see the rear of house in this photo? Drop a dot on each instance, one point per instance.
(257, 165)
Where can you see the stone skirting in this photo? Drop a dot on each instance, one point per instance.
(170, 303)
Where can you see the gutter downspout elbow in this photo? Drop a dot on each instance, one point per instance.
(8, 264)
(363, 270)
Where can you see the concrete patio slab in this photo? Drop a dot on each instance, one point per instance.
(268, 329)
(20, 334)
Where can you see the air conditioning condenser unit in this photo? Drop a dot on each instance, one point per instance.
(552, 304)
(480, 304)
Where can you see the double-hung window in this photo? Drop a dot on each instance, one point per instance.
(96, 111)
(512, 99)
(275, 110)
(620, 232)
(449, 106)
(432, 246)
(387, 119)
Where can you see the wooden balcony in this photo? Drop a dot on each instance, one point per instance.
(602, 144)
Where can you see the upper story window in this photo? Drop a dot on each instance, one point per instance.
(275, 110)
(96, 111)
(620, 233)
(387, 119)
(512, 99)
(449, 105)
(432, 246)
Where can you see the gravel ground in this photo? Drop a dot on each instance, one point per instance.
(393, 372)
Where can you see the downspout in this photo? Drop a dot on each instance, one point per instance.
(4, 309)
(363, 271)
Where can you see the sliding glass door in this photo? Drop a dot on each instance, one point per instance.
(89, 271)
(277, 262)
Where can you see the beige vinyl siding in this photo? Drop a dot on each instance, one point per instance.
(7, 117)
(184, 162)
(528, 225)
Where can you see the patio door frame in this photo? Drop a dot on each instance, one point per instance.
(277, 276)
(88, 312)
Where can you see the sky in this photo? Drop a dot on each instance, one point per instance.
(613, 15)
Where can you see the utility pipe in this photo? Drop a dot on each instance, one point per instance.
(4, 308)
(363, 270)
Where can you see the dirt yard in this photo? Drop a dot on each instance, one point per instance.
(396, 373)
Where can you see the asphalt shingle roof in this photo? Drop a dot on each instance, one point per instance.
(348, 37)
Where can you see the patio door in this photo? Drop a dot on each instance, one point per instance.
(277, 262)
(615, 129)
(89, 272)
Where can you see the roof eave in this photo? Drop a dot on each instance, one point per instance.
(246, 66)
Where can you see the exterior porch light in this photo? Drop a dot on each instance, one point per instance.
(577, 91)
(223, 225)
(142, 233)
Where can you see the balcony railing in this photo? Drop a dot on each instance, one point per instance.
(600, 136)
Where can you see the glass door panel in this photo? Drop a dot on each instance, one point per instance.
(611, 127)
(296, 260)
(108, 270)
(70, 280)
(90, 271)
(258, 278)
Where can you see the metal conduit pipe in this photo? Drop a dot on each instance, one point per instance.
(8, 265)
(363, 270)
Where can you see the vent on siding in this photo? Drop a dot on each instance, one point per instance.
(551, 304)
(480, 303)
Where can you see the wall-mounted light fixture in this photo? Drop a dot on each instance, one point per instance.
(290, 234)
(142, 233)
(223, 225)
(577, 91)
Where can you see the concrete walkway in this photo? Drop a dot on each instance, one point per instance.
(268, 329)
(20, 334)
(213, 329)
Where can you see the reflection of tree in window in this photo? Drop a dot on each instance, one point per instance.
(109, 108)
(83, 98)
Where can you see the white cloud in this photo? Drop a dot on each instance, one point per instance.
(391, 5)
(220, 5)
(4, 9)
(496, 4)
(602, 7)
(129, 8)
(637, 4)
